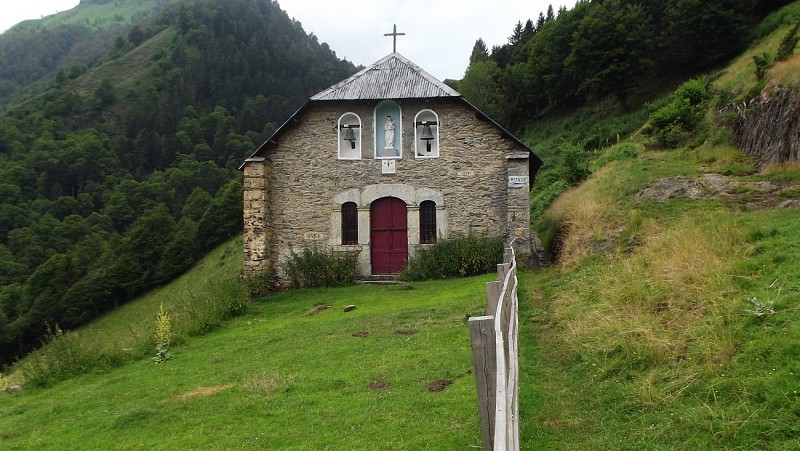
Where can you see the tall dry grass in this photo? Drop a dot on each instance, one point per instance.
(666, 302)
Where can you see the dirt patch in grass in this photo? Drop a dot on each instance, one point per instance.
(200, 391)
(361, 334)
(439, 385)
(406, 332)
(317, 309)
(379, 385)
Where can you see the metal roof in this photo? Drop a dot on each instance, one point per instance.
(392, 77)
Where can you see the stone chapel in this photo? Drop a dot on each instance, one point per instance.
(384, 163)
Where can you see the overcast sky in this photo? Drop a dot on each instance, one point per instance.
(439, 33)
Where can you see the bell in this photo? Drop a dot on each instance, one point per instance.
(349, 135)
(427, 135)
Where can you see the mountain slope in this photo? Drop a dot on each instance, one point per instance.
(70, 39)
(670, 319)
(115, 178)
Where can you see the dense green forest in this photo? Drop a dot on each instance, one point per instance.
(122, 171)
(628, 49)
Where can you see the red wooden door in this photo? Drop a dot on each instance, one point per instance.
(389, 235)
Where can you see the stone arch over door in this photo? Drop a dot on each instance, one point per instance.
(388, 235)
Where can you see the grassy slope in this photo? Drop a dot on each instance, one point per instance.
(97, 16)
(670, 324)
(274, 377)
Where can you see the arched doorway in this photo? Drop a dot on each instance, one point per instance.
(389, 235)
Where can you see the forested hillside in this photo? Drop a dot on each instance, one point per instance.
(121, 171)
(628, 49)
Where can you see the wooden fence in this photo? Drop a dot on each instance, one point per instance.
(494, 352)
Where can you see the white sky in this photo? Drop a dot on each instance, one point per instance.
(439, 33)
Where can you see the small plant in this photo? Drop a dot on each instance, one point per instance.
(788, 43)
(59, 358)
(762, 62)
(3, 382)
(624, 151)
(317, 268)
(761, 308)
(163, 335)
(257, 284)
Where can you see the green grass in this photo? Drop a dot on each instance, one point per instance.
(668, 324)
(279, 378)
(98, 16)
(732, 385)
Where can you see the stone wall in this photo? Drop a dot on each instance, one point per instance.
(305, 182)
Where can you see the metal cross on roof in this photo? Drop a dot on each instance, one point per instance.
(394, 34)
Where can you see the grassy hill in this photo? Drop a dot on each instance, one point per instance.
(670, 318)
(294, 371)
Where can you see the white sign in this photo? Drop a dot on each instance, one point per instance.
(466, 173)
(312, 236)
(388, 166)
(517, 181)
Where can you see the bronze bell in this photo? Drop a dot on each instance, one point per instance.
(427, 135)
(349, 135)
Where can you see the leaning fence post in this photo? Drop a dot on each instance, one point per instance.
(484, 356)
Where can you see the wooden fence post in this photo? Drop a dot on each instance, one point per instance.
(481, 330)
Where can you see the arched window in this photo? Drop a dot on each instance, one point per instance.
(426, 134)
(427, 222)
(349, 223)
(349, 137)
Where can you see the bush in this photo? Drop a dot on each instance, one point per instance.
(788, 43)
(198, 313)
(60, 357)
(673, 124)
(316, 268)
(624, 151)
(455, 257)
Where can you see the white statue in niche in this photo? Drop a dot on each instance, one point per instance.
(388, 136)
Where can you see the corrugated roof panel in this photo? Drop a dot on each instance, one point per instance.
(393, 77)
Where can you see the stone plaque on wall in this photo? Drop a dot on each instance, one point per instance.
(311, 236)
(518, 181)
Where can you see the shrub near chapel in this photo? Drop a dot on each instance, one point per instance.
(381, 166)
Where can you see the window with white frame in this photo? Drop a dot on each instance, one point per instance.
(426, 134)
(349, 137)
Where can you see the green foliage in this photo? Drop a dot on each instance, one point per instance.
(603, 55)
(455, 257)
(197, 313)
(674, 123)
(259, 284)
(762, 62)
(318, 268)
(163, 333)
(479, 52)
(622, 151)
(573, 164)
(124, 170)
(788, 43)
(59, 358)
(481, 86)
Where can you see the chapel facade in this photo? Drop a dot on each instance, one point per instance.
(384, 164)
